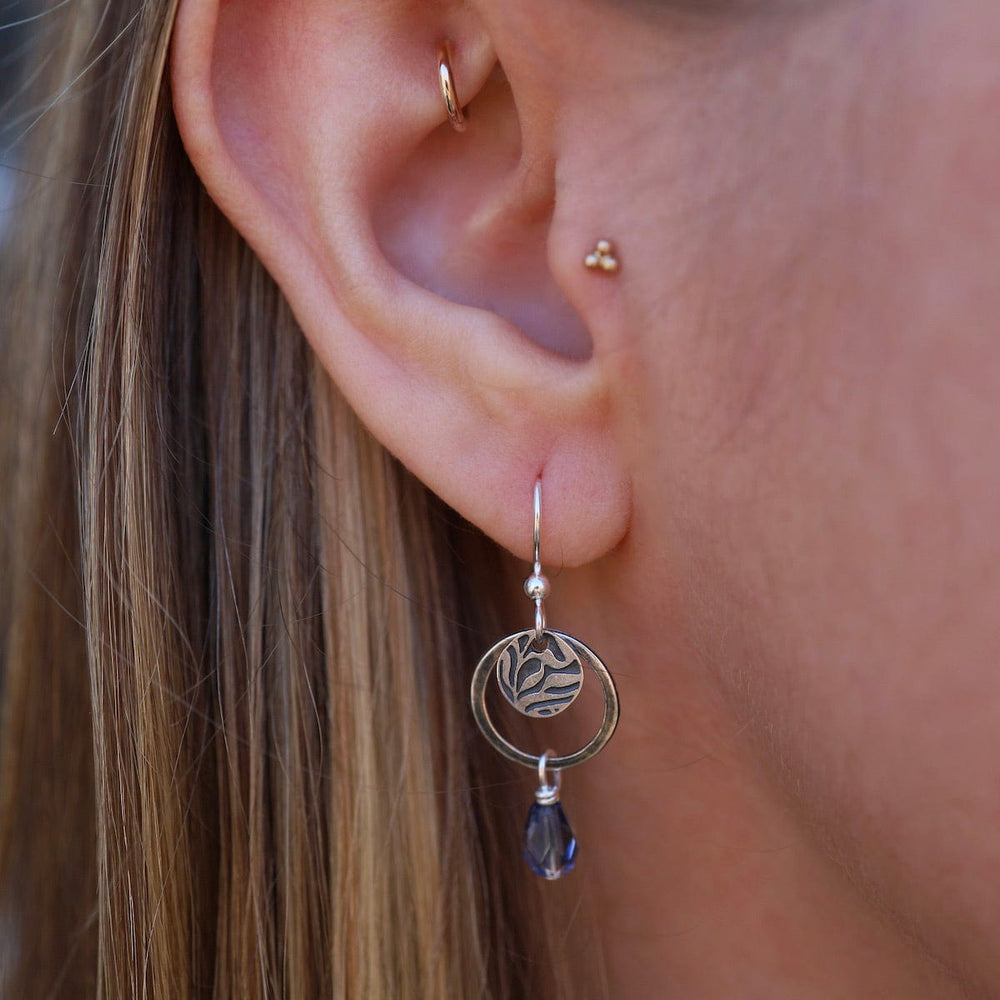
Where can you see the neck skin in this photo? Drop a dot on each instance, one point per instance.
(705, 880)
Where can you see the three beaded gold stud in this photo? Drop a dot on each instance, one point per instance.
(602, 257)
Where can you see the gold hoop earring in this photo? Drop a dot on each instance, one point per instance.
(448, 91)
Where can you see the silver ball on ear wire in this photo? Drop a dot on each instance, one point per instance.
(537, 587)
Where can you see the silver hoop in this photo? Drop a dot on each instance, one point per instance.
(480, 679)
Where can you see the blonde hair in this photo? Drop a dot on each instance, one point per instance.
(237, 757)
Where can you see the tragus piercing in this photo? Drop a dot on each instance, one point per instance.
(448, 92)
(540, 673)
(602, 257)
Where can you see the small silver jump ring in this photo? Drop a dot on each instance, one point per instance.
(539, 622)
(543, 769)
(548, 793)
(451, 102)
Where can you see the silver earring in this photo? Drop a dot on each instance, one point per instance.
(540, 672)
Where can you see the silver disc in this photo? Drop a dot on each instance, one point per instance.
(539, 679)
(487, 666)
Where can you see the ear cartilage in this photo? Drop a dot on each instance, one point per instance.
(448, 92)
(602, 257)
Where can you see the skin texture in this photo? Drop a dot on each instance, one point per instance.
(769, 444)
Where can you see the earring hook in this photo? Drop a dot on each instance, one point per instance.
(538, 526)
(537, 585)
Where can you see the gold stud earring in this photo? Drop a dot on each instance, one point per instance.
(602, 257)
(451, 102)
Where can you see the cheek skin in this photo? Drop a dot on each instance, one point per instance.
(832, 473)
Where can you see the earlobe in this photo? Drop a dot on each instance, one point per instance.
(413, 256)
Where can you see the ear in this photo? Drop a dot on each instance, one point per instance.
(416, 259)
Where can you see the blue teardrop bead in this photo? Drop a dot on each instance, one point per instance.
(549, 845)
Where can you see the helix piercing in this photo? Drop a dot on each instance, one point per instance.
(448, 92)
